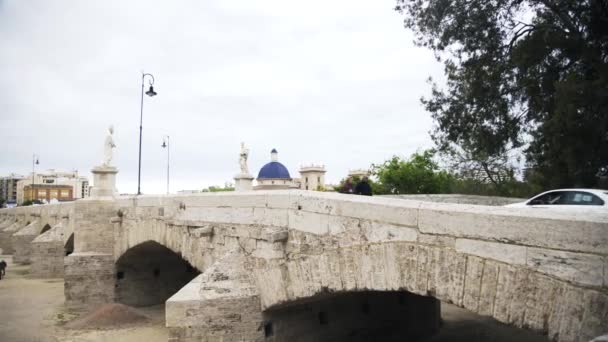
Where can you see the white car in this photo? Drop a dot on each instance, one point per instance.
(588, 199)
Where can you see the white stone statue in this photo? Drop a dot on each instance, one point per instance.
(243, 159)
(108, 146)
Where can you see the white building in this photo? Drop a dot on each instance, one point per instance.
(79, 184)
(358, 173)
(312, 177)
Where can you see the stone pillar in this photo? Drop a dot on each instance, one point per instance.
(89, 279)
(21, 241)
(104, 180)
(89, 271)
(48, 253)
(220, 305)
(243, 182)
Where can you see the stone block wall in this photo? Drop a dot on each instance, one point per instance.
(220, 305)
(89, 280)
(47, 259)
(92, 227)
(48, 251)
(21, 241)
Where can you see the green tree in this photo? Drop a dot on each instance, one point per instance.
(30, 202)
(214, 188)
(529, 74)
(419, 174)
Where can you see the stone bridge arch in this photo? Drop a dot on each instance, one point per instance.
(149, 273)
(512, 295)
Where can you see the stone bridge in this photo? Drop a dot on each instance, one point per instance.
(310, 266)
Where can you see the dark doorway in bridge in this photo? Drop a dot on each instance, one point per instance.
(45, 229)
(69, 245)
(149, 273)
(355, 317)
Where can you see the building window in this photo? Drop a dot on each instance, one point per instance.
(306, 179)
(319, 179)
(65, 193)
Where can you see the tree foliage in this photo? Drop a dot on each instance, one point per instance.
(529, 74)
(214, 188)
(417, 175)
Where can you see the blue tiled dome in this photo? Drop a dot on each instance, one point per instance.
(274, 170)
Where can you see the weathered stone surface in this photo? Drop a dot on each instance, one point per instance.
(559, 230)
(48, 251)
(437, 240)
(595, 318)
(89, 280)
(489, 284)
(222, 303)
(566, 323)
(384, 232)
(574, 267)
(511, 254)
(472, 283)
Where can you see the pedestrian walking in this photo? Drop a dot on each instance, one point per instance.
(363, 187)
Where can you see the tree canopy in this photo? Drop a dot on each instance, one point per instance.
(521, 74)
(417, 175)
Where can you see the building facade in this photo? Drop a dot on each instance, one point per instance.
(8, 188)
(312, 177)
(80, 185)
(48, 193)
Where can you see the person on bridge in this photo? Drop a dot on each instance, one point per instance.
(363, 187)
(2, 268)
(347, 188)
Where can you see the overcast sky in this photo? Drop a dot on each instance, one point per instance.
(327, 82)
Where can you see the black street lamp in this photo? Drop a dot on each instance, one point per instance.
(35, 162)
(150, 93)
(166, 145)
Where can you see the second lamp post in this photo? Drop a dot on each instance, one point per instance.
(150, 93)
(166, 145)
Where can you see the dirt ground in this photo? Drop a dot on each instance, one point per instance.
(31, 310)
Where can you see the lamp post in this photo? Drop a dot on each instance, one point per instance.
(166, 145)
(150, 93)
(35, 162)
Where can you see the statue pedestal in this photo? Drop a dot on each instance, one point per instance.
(104, 180)
(243, 182)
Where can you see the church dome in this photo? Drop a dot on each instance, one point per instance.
(274, 169)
